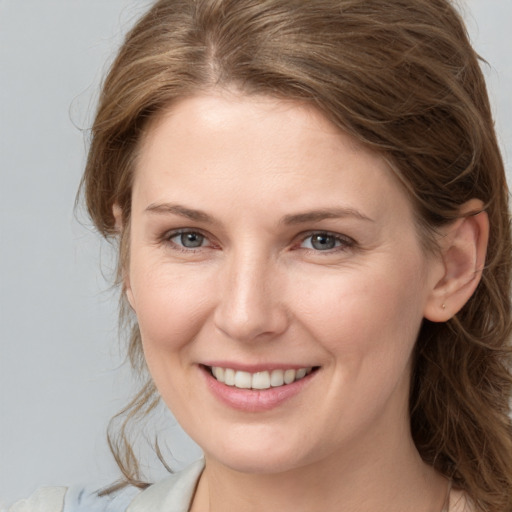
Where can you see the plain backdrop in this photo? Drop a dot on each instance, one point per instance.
(61, 376)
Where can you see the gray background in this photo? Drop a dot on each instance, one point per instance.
(60, 370)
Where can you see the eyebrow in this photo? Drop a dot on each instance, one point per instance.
(292, 219)
(182, 211)
(323, 214)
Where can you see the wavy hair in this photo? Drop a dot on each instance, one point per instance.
(401, 77)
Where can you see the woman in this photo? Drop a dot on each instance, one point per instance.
(314, 242)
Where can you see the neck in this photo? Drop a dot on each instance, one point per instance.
(384, 477)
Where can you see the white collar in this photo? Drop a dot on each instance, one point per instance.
(172, 494)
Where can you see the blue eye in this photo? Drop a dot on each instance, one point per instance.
(325, 242)
(188, 239)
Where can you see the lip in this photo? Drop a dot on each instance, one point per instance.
(253, 400)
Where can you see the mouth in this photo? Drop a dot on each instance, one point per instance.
(259, 380)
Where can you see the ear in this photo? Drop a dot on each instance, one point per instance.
(463, 250)
(117, 212)
(118, 217)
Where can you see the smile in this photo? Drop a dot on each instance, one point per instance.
(259, 380)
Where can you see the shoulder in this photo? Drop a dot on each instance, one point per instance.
(173, 494)
(75, 499)
(46, 499)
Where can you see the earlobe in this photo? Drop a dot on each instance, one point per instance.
(463, 251)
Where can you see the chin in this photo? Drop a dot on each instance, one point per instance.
(258, 456)
(257, 463)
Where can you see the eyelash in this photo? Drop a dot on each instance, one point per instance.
(342, 242)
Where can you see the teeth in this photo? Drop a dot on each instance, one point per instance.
(301, 373)
(289, 376)
(229, 377)
(277, 378)
(258, 380)
(243, 380)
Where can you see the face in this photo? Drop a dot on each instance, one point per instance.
(278, 280)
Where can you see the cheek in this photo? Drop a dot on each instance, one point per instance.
(365, 314)
(170, 305)
(368, 326)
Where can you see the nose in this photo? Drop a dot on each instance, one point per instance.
(250, 302)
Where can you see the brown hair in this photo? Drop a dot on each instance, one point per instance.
(402, 78)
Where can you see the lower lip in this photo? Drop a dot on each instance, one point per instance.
(254, 400)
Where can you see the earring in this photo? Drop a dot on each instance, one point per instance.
(443, 306)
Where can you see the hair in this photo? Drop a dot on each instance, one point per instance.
(402, 78)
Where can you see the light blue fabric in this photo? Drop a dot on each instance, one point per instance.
(79, 499)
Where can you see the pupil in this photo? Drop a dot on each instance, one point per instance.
(323, 242)
(191, 240)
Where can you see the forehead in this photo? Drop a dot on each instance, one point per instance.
(226, 146)
(227, 112)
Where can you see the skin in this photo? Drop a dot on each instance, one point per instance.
(256, 291)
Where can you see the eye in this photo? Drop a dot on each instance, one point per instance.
(187, 239)
(323, 241)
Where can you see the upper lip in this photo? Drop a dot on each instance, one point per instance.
(256, 367)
